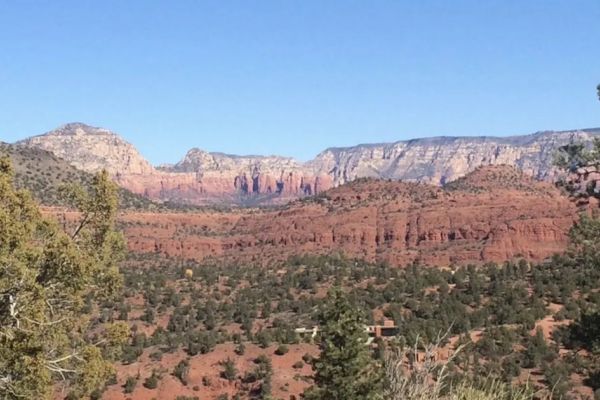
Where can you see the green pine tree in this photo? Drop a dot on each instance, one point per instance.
(45, 274)
(345, 369)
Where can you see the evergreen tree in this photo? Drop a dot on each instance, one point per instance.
(584, 247)
(575, 155)
(345, 369)
(229, 370)
(45, 274)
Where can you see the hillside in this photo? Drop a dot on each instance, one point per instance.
(43, 173)
(509, 321)
(203, 177)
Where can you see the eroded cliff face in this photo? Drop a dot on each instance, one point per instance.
(443, 159)
(272, 176)
(216, 178)
(200, 178)
(493, 214)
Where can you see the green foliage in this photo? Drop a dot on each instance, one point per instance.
(240, 349)
(264, 367)
(182, 370)
(345, 369)
(557, 378)
(229, 370)
(130, 384)
(281, 350)
(585, 333)
(572, 156)
(576, 155)
(263, 338)
(44, 175)
(45, 275)
(537, 351)
(585, 242)
(503, 301)
(151, 382)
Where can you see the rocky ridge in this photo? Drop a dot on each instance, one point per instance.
(203, 177)
(439, 160)
(496, 213)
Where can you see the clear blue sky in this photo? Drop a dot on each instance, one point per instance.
(294, 77)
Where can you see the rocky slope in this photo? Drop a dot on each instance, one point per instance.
(207, 178)
(44, 174)
(91, 149)
(495, 213)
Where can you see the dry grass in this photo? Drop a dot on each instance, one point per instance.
(428, 379)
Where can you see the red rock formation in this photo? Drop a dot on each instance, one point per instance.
(203, 177)
(189, 187)
(494, 214)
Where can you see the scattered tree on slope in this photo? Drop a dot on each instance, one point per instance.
(345, 369)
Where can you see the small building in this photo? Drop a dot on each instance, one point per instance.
(388, 329)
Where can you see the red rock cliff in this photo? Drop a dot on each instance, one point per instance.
(494, 214)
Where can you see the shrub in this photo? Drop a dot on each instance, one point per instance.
(151, 382)
(182, 370)
(307, 358)
(281, 350)
(229, 370)
(156, 355)
(264, 339)
(130, 384)
(240, 349)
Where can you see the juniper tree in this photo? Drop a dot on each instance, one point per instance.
(345, 369)
(45, 274)
(576, 155)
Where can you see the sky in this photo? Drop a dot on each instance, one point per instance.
(295, 77)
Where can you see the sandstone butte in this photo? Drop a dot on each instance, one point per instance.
(496, 213)
(204, 178)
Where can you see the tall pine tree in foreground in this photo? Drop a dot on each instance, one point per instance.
(345, 369)
(45, 275)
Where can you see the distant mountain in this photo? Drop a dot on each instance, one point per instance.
(91, 149)
(443, 159)
(207, 178)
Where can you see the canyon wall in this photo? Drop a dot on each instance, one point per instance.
(494, 214)
(215, 178)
